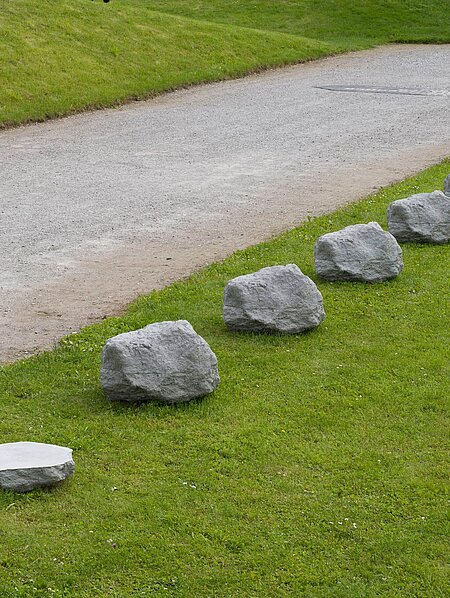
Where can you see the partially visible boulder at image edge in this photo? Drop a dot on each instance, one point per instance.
(421, 218)
(167, 362)
(274, 299)
(361, 252)
(447, 185)
(25, 466)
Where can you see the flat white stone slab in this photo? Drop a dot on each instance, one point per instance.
(25, 466)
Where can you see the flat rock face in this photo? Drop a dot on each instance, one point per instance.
(274, 299)
(361, 252)
(421, 218)
(166, 361)
(447, 185)
(25, 466)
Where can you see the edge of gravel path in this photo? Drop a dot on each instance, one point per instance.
(110, 279)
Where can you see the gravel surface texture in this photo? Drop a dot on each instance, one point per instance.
(94, 205)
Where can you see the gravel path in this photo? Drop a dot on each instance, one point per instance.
(93, 205)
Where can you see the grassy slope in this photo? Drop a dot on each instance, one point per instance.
(60, 56)
(318, 468)
(347, 23)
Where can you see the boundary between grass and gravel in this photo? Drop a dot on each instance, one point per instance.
(51, 69)
(59, 58)
(150, 95)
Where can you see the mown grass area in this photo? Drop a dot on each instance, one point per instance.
(348, 24)
(61, 56)
(318, 468)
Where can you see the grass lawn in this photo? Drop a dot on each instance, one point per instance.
(62, 56)
(318, 468)
(345, 23)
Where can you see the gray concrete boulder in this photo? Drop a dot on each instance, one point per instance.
(167, 362)
(274, 299)
(361, 252)
(447, 185)
(421, 218)
(25, 466)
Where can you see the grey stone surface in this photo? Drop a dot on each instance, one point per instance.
(274, 299)
(166, 361)
(25, 466)
(421, 218)
(361, 252)
(447, 185)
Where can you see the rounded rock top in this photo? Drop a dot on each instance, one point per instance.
(165, 361)
(273, 299)
(359, 252)
(420, 218)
